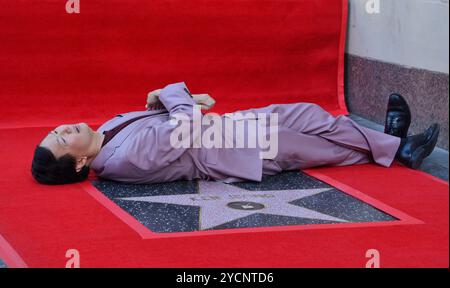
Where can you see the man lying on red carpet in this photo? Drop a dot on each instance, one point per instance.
(145, 146)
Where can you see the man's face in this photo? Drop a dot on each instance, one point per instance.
(75, 139)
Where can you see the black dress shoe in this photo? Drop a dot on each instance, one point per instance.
(417, 147)
(430, 135)
(398, 116)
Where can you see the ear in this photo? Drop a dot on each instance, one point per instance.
(81, 162)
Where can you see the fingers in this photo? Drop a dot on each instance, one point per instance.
(156, 106)
(153, 100)
(152, 97)
(155, 92)
(205, 100)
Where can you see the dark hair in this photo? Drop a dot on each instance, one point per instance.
(46, 169)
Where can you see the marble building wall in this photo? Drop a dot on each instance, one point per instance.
(399, 46)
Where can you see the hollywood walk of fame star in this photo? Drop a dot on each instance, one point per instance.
(221, 203)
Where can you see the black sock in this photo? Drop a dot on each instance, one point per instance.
(402, 143)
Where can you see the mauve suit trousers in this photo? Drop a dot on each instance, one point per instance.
(309, 136)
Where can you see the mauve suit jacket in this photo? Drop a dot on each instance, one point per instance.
(141, 152)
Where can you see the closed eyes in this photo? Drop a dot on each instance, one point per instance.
(56, 132)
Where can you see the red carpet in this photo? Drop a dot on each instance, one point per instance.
(60, 68)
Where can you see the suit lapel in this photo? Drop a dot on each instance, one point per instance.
(108, 150)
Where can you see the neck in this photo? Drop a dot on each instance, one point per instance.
(97, 146)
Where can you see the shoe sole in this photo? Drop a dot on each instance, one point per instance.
(434, 139)
(423, 151)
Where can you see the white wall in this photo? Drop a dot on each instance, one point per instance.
(406, 32)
